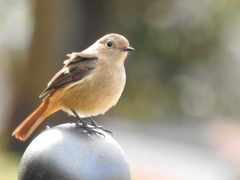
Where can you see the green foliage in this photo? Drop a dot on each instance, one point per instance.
(9, 165)
(182, 66)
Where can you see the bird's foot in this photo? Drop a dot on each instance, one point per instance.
(96, 126)
(91, 129)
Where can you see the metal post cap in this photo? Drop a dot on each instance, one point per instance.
(68, 152)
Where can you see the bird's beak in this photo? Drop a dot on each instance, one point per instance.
(128, 49)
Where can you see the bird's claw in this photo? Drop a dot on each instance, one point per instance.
(105, 130)
(90, 130)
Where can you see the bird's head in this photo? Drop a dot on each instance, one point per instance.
(111, 47)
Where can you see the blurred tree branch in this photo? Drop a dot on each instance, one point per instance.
(61, 27)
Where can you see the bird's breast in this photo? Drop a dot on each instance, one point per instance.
(96, 93)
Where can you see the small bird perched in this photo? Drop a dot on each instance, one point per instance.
(89, 84)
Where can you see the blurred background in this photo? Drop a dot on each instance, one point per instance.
(179, 115)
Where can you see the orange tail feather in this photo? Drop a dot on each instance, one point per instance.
(26, 128)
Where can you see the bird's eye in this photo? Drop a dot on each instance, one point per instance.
(109, 44)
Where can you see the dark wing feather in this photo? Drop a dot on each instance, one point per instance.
(74, 70)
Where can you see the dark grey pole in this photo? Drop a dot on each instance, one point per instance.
(68, 152)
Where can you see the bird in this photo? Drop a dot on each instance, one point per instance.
(89, 84)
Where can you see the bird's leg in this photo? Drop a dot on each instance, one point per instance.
(96, 126)
(85, 125)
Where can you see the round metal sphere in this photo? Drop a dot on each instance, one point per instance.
(69, 152)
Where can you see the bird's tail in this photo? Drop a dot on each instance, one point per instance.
(26, 128)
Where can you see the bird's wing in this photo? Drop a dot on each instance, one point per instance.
(74, 70)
